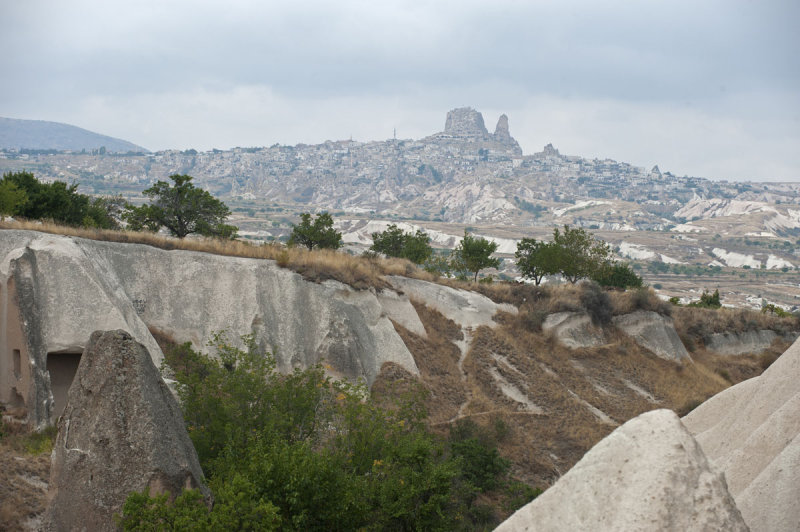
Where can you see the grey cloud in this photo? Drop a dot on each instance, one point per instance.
(724, 58)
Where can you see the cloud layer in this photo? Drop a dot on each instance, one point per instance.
(706, 89)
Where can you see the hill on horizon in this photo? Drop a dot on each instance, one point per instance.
(43, 135)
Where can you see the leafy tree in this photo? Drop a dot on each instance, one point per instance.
(105, 212)
(12, 199)
(394, 242)
(580, 255)
(617, 275)
(474, 254)
(317, 234)
(183, 209)
(59, 202)
(536, 258)
(389, 242)
(438, 264)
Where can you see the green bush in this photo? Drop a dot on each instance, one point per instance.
(318, 234)
(473, 254)
(394, 242)
(21, 194)
(482, 465)
(597, 303)
(707, 300)
(304, 452)
(618, 275)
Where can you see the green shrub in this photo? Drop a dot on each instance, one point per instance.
(303, 452)
(482, 465)
(597, 303)
(318, 234)
(394, 242)
(618, 275)
(707, 300)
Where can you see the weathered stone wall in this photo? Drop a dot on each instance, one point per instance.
(69, 287)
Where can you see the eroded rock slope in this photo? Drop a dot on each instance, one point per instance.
(752, 432)
(649, 474)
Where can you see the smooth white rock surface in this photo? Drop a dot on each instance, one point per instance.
(649, 474)
(752, 432)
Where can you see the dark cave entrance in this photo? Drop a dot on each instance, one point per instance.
(62, 368)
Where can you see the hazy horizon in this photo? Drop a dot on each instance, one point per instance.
(703, 89)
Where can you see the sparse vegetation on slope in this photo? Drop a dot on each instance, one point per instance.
(24, 473)
(557, 402)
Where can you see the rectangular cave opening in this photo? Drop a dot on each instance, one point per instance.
(62, 368)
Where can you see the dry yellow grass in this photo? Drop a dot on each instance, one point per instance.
(315, 265)
(698, 323)
(24, 473)
(542, 390)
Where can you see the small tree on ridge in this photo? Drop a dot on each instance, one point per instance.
(317, 234)
(183, 209)
(474, 254)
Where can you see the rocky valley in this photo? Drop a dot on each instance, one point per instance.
(562, 366)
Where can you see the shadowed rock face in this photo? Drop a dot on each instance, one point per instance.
(752, 432)
(649, 474)
(122, 431)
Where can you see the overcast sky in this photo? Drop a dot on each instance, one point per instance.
(704, 88)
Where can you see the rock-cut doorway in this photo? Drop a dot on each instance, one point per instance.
(62, 367)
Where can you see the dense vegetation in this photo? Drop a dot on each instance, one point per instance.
(21, 194)
(304, 452)
(394, 242)
(180, 207)
(574, 254)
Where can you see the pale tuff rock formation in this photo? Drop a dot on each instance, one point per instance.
(650, 330)
(122, 431)
(53, 297)
(733, 343)
(550, 151)
(503, 136)
(501, 132)
(649, 474)
(573, 329)
(653, 332)
(468, 309)
(752, 432)
(465, 122)
(57, 290)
